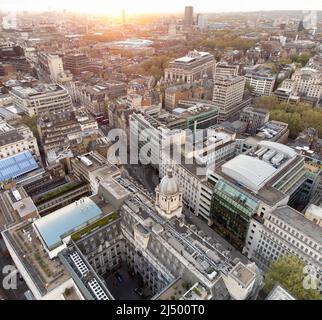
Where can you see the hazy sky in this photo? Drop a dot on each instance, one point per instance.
(136, 6)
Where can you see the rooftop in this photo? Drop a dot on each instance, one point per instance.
(17, 165)
(47, 274)
(242, 274)
(254, 169)
(61, 223)
(295, 219)
(279, 293)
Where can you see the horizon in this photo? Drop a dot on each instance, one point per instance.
(154, 7)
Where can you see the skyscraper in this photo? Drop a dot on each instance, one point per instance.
(188, 16)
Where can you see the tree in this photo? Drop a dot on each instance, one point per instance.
(288, 271)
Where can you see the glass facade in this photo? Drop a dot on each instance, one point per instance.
(232, 209)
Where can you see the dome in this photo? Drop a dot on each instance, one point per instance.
(168, 185)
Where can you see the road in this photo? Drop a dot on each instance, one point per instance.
(146, 175)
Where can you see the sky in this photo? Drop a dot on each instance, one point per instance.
(153, 6)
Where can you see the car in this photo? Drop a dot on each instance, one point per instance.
(138, 291)
(119, 277)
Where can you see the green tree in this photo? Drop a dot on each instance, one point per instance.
(30, 122)
(288, 272)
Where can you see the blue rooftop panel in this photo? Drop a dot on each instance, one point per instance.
(65, 221)
(17, 165)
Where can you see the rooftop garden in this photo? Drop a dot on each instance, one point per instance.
(59, 191)
(96, 225)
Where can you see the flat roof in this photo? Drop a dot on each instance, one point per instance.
(299, 222)
(242, 274)
(314, 210)
(249, 171)
(66, 220)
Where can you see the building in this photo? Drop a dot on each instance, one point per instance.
(195, 154)
(95, 98)
(58, 130)
(285, 231)
(228, 96)
(173, 94)
(283, 94)
(261, 80)
(194, 66)
(93, 168)
(188, 16)
(76, 63)
(154, 131)
(16, 206)
(279, 293)
(275, 131)
(223, 69)
(42, 99)
(20, 167)
(255, 182)
(202, 21)
(305, 84)
(15, 140)
(51, 68)
(255, 118)
(50, 274)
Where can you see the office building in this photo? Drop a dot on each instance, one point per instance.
(93, 168)
(202, 21)
(190, 164)
(305, 84)
(188, 16)
(56, 131)
(285, 231)
(76, 63)
(95, 97)
(228, 95)
(255, 182)
(194, 66)
(51, 68)
(41, 99)
(261, 80)
(223, 69)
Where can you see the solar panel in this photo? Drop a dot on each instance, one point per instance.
(17, 165)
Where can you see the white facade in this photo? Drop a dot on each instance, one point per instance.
(281, 232)
(228, 94)
(27, 142)
(36, 101)
(194, 66)
(305, 81)
(261, 85)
